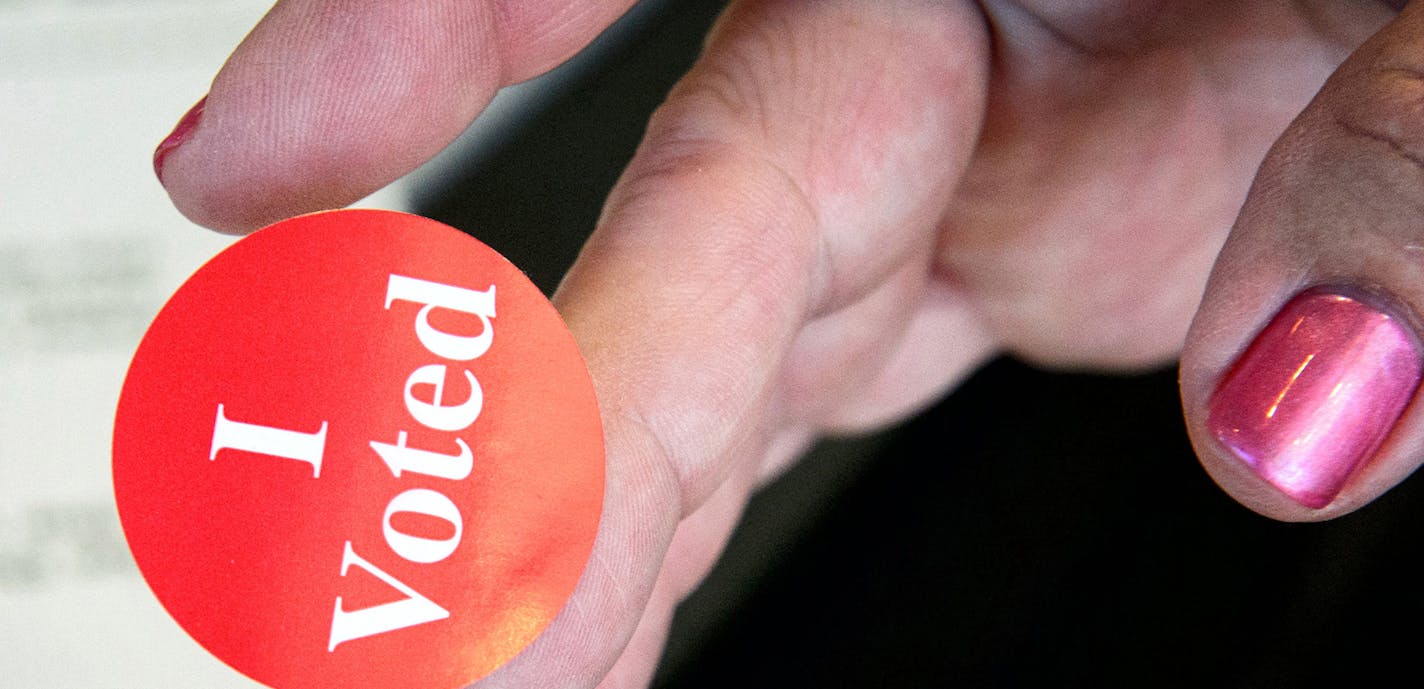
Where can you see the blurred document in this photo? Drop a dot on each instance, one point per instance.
(89, 250)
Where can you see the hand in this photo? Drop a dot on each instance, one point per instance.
(844, 207)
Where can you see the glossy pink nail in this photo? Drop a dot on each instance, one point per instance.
(180, 133)
(1316, 393)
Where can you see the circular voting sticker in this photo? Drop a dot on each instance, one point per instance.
(359, 449)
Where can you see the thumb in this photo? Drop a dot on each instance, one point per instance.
(1302, 367)
(326, 101)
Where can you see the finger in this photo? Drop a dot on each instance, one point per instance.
(327, 101)
(801, 164)
(696, 545)
(1301, 402)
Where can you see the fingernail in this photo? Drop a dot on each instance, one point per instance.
(185, 127)
(1316, 393)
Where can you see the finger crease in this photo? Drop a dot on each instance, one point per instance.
(1393, 144)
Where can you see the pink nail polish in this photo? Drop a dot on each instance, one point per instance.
(185, 126)
(1316, 393)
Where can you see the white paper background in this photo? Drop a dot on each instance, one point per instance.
(89, 249)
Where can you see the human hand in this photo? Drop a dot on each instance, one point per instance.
(841, 210)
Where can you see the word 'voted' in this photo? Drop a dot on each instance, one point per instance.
(310, 447)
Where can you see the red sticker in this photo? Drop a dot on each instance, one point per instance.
(359, 448)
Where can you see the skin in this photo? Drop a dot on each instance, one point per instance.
(846, 206)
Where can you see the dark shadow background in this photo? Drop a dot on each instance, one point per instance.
(1033, 529)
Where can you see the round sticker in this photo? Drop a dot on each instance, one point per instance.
(359, 448)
